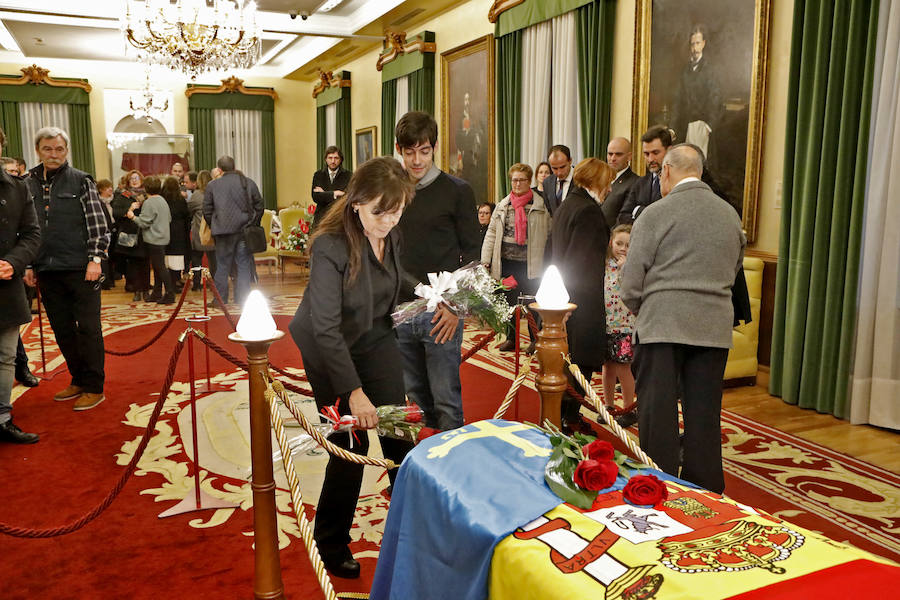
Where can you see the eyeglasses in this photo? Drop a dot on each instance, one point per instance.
(519, 180)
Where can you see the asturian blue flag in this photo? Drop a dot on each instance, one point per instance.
(456, 496)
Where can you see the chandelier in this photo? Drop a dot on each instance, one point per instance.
(193, 36)
(147, 104)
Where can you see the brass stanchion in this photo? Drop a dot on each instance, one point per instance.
(267, 579)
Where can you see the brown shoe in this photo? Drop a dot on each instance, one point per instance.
(507, 346)
(70, 393)
(88, 400)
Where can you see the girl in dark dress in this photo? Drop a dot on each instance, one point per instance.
(179, 230)
(344, 332)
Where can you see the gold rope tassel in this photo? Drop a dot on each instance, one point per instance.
(516, 384)
(610, 421)
(297, 499)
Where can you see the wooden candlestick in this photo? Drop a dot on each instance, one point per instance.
(552, 345)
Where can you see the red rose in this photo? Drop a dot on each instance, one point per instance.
(599, 450)
(413, 414)
(304, 227)
(426, 432)
(595, 474)
(509, 283)
(644, 490)
(311, 209)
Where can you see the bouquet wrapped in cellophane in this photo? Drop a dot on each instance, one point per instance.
(469, 291)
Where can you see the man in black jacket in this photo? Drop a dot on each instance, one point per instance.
(329, 182)
(75, 237)
(20, 238)
(440, 233)
(645, 191)
(618, 156)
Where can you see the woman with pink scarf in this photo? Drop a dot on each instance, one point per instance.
(515, 240)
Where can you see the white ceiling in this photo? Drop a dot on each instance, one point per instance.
(67, 32)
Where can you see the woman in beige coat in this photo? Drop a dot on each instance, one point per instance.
(515, 240)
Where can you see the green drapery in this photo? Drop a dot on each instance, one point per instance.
(509, 104)
(532, 12)
(81, 140)
(421, 88)
(344, 126)
(44, 93)
(269, 183)
(9, 121)
(388, 116)
(595, 23)
(829, 105)
(320, 137)
(202, 125)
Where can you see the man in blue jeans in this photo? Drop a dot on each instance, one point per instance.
(440, 233)
(232, 202)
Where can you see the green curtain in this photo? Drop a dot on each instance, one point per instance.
(269, 186)
(9, 121)
(421, 89)
(829, 100)
(509, 105)
(344, 126)
(202, 125)
(388, 116)
(82, 150)
(320, 137)
(595, 23)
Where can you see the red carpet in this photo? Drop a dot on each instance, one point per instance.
(129, 553)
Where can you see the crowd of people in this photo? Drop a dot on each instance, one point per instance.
(649, 261)
(74, 236)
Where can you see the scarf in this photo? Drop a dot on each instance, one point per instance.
(518, 203)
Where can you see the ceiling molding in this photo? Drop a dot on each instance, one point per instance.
(232, 85)
(327, 79)
(501, 6)
(396, 45)
(36, 75)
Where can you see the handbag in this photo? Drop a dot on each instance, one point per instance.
(206, 236)
(254, 235)
(127, 240)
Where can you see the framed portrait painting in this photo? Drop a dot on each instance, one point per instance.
(700, 70)
(365, 144)
(467, 115)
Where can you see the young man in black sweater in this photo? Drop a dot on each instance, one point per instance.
(440, 233)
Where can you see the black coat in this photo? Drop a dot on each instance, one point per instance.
(121, 203)
(580, 238)
(179, 227)
(335, 313)
(20, 240)
(325, 199)
(639, 197)
(617, 194)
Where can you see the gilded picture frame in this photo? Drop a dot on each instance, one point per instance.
(466, 137)
(366, 144)
(673, 38)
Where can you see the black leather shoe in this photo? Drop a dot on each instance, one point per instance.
(627, 420)
(507, 346)
(167, 299)
(26, 377)
(137, 297)
(343, 565)
(10, 432)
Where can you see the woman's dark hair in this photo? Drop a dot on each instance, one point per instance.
(153, 185)
(382, 180)
(171, 189)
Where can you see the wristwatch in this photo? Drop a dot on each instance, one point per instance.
(96, 259)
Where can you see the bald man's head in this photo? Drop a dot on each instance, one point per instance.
(618, 153)
(682, 160)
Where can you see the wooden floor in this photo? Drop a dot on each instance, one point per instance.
(872, 444)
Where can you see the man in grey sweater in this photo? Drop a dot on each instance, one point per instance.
(685, 251)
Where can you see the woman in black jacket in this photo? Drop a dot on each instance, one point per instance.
(345, 335)
(179, 230)
(128, 243)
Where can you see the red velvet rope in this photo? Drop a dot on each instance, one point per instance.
(212, 285)
(27, 532)
(159, 334)
(484, 342)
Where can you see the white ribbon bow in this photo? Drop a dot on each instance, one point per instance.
(445, 283)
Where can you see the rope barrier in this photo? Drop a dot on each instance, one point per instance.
(165, 326)
(611, 423)
(474, 349)
(303, 524)
(511, 394)
(215, 290)
(27, 532)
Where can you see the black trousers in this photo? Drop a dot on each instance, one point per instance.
(197, 260)
(519, 270)
(73, 308)
(161, 277)
(658, 369)
(380, 371)
(137, 273)
(570, 407)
